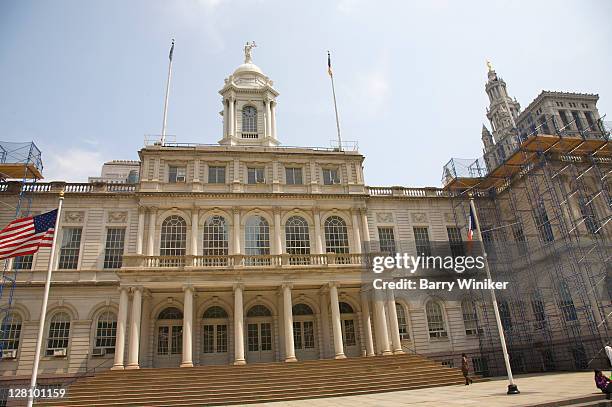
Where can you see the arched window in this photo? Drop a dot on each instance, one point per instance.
(297, 240)
(259, 311)
(345, 308)
(470, 317)
(435, 320)
(504, 315)
(215, 312)
(173, 240)
(171, 313)
(301, 309)
(170, 332)
(402, 322)
(347, 324)
(249, 120)
(11, 332)
(215, 330)
(106, 331)
(336, 235)
(257, 240)
(215, 241)
(59, 334)
(303, 327)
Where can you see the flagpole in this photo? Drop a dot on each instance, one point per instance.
(331, 76)
(163, 132)
(512, 387)
(43, 307)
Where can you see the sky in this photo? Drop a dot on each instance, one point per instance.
(85, 80)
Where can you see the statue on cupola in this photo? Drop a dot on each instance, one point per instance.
(249, 105)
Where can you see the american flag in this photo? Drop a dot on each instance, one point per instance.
(472, 225)
(26, 235)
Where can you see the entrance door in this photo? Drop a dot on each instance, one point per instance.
(304, 333)
(169, 338)
(349, 330)
(259, 335)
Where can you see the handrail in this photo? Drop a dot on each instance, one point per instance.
(243, 260)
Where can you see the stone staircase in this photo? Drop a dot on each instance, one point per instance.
(257, 383)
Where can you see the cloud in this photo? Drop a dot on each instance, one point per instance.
(72, 165)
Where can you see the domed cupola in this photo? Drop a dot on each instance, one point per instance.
(249, 105)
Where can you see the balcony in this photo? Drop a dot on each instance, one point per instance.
(229, 262)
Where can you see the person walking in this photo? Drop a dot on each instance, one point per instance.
(465, 369)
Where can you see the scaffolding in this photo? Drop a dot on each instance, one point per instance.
(546, 218)
(18, 161)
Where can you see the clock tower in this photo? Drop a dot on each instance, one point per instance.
(249, 105)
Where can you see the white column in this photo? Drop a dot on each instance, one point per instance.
(236, 231)
(367, 323)
(268, 119)
(135, 330)
(188, 327)
(225, 118)
(121, 322)
(140, 234)
(288, 323)
(336, 323)
(317, 232)
(394, 325)
(366, 229)
(232, 124)
(194, 231)
(380, 324)
(151, 234)
(238, 326)
(356, 234)
(324, 304)
(278, 240)
(273, 119)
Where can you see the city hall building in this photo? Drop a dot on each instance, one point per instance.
(248, 251)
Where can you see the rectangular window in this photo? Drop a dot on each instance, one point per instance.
(309, 342)
(563, 117)
(256, 175)
(177, 340)
(588, 215)
(297, 334)
(330, 176)
(216, 175)
(590, 120)
(208, 339)
(387, 239)
(177, 174)
(113, 252)
(421, 239)
(23, 262)
(577, 120)
(221, 338)
(293, 176)
(543, 223)
(69, 251)
(455, 241)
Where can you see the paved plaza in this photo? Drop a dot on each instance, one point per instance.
(535, 389)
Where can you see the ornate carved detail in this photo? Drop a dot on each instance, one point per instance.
(74, 216)
(419, 217)
(384, 217)
(117, 217)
